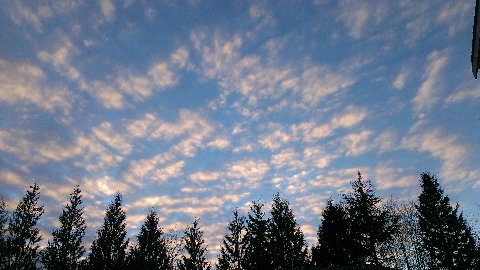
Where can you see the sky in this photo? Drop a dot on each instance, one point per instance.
(194, 108)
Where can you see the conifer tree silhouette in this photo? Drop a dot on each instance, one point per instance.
(66, 249)
(109, 249)
(287, 243)
(446, 236)
(256, 240)
(23, 238)
(195, 256)
(231, 251)
(3, 233)
(372, 226)
(151, 252)
(335, 242)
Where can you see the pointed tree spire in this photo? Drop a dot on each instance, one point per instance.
(151, 253)
(109, 249)
(195, 257)
(335, 243)
(372, 226)
(256, 240)
(66, 249)
(3, 233)
(447, 238)
(287, 243)
(231, 251)
(24, 236)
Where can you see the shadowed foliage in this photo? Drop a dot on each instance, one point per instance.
(66, 249)
(109, 249)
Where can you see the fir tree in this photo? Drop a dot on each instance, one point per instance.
(109, 249)
(195, 257)
(287, 243)
(23, 238)
(335, 243)
(447, 238)
(371, 225)
(66, 249)
(3, 233)
(231, 251)
(151, 253)
(256, 240)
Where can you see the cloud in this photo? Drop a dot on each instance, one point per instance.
(106, 134)
(22, 13)
(287, 158)
(219, 143)
(205, 176)
(388, 177)
(428, 93)
(23, 84)
(170, 171)
(139, 169)
(317, 156)
(108, 9)
(464, 93)
(399, 81)
(356, 15)
(453, 155)
(103, 185)
(12, 179)
(251, 170)
(162, 75)
(356, 143)
(274, 140)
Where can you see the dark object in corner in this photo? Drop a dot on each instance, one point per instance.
(476, 40)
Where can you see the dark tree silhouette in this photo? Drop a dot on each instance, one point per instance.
(23, 238)
(109, 249)
(195, 253)
(256, 240)
(151, 253)
(447, 238)
(335, 244)
(231, 251)
(371, 225)
(3, 233)
(287, 243)
(66, 249)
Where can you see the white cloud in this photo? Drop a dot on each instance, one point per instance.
(356, 143)
(108, 9)
(468, 92)
(355, 15)
(251, 170)
(180, 57)
(387, 177)
(103, 185)
(36, 16)
(12, 179)
(22, 84)
(219, 143)
(318, 156)
(112, 138)
(205, 176)
(170, 171)
(428, 93)
(399, 81)
(274, 140)
(287, 158)
(454, 156)
(162, 75)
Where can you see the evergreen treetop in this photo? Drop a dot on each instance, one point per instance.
(108, 251)
(231, 251)
(66, 249)
(195, 253)
(24, 236)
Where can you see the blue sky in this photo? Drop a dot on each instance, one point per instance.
(193, 108)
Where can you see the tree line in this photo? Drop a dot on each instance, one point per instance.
(360, 231)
